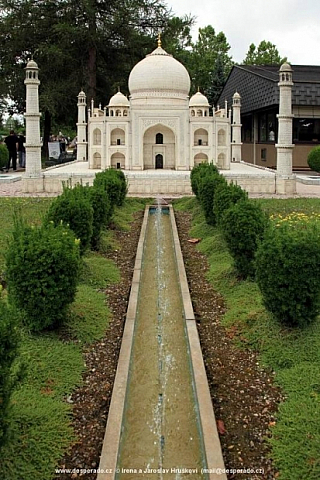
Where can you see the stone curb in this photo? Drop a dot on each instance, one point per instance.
(212, 446)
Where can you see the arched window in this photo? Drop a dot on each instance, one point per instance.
(192, 113)
(199, 113)
(97, 160)
(118, 113)
(96, 136)
(159, 139)
(221, 138)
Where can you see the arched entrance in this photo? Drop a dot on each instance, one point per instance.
(159, 148)
(159, 161)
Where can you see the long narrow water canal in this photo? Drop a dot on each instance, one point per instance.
(160, 434)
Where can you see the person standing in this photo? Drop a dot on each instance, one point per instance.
(22, 150)
(12, 145)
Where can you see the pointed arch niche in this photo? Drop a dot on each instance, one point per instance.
(200, 158)
(152, 147)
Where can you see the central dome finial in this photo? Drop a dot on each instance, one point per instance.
(159, 40)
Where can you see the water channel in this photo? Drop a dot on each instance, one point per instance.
(161, 434)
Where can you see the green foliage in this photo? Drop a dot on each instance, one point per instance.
(42, 273)
(207, 189)
(9, 344)
(88, 318)
(73, 208)
(314, 159)
(201, 170)
(113, 181)
(4, 155)
(265, 54)
(288, 269)
(99, 272)
(210, 63)
(101, 212)
(243, 227)
(225, 196)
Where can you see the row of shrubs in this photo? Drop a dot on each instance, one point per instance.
(283, 259)
(43, 265)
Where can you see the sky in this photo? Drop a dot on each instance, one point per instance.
(292, 25)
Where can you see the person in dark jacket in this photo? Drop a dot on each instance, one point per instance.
(12, 145)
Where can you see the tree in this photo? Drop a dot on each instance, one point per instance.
(265, 54)
(210, 63)
(89, 44)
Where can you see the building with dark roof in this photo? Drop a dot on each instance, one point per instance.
(258, 87)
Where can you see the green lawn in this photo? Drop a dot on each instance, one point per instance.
(294, 355)
(41, 423)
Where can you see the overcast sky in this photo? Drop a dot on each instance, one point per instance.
(292, 25)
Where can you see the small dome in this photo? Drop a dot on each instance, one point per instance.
(285, 67)
(159, 74)
(119, 100)
(236, 95)
(31, 64)
(198, 100)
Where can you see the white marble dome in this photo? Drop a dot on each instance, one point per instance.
(198, 100)
(159, 74)
(119, 100)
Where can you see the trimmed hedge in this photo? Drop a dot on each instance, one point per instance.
(243, 226)
(207, 187)
(198, 172)
(113, 181)
(102, 214)
(9, 345)
(314, 159)
(73, 208)
(42, 273)
(225, 196)
(288, 271)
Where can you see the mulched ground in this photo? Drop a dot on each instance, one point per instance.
(244, 398)
(92, 400)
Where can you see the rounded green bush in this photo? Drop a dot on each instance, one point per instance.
(9, 344)
(314, 159)
(4, 156)
(198, 172)
(73, 208)
(207, 188)
(288, 271)
(225, 196)
(243, 226)
(101, 212)
(42, 269)
(113, 181)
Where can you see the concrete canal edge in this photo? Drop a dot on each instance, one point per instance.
(110, 447)
(111, 442)
(212, 446)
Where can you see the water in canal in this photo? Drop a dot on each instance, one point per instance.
(160, 432)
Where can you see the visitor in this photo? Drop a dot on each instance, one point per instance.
(12, 145)
(22, 150)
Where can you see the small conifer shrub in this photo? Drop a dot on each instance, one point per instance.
(225, 196)
(9, 345)
(314, 159)
(207, 189)
(198, 172)
(113, 181)
(73, 208)
(243, 226)
(4, 156)
(288, 272)
(42, 270)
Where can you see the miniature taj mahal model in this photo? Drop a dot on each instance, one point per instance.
(158, 127)
(158, 135)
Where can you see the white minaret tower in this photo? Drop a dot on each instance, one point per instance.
(32, 119)
(285, 181)
(82, 128)
(236, 129)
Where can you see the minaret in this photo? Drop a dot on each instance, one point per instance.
(32, 119)
(236, 129)
(285, 181)
(82, 128)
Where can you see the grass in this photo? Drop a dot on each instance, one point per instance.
(41, 418)
(293, 354)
